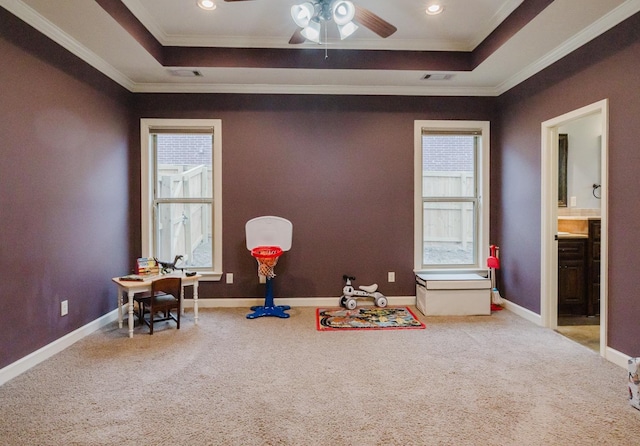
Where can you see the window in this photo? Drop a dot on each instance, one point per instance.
(451, 195)
(181, 192)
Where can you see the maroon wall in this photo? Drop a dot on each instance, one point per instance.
(64, 188)
(608, 67)
(339, 167)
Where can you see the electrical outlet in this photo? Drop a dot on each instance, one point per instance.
(391, 276)
(573, 202)
(64, 308)
(229, 277)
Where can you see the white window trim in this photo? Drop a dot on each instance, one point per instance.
(146, 168)
(483, 193)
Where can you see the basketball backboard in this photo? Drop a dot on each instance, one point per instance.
(269, 231)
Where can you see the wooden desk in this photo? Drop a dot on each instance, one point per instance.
(132, 287)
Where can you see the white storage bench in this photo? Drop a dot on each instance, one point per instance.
(453, 294)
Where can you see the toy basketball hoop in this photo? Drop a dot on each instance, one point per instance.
(267, 257)
(267, 238)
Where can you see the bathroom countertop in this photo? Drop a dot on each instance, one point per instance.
(578, 217)
(571, 235)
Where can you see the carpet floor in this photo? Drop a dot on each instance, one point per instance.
(485, 380)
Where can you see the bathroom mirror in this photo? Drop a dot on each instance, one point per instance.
(563, 152)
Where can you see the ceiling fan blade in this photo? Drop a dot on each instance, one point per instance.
(297, 37)
(374, 22)
(237, 0)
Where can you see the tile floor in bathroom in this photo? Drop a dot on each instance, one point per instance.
(585, 331)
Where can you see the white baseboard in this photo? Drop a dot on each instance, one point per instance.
(616, 357)
(292, 301)
(35, 358)
(523, 312)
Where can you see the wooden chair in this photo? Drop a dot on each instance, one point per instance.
(164, 297)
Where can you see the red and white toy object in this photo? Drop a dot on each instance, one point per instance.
(493, 263)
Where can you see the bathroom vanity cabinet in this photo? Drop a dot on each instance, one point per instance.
(579, 268)
(572, 274)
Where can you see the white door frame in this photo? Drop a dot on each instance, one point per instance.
(549, 223)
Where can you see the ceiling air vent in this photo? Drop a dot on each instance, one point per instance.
(437, 77)
(185, 73)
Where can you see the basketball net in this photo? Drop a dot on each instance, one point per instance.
(267, 257)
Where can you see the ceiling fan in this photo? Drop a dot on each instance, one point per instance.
(310, 15)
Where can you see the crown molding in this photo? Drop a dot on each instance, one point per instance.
(37, 21)
(602, 25)
(142, 14)
(495, 21)
(355, 90)
(348, 44)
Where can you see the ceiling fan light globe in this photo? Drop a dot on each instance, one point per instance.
(302, 14)
(343, 12)
(346, 30)
(312, 31)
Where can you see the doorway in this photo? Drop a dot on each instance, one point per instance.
(549, 223)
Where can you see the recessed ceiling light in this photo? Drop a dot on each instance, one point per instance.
(209, 5)
(434, 9)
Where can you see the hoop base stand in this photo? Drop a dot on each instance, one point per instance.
(269, 309)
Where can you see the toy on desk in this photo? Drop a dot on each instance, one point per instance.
(147, 266)
(132, 278)
(350, 294)
(168, 267)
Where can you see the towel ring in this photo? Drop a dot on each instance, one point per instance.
(596, 186)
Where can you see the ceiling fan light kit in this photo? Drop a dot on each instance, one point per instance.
(310, 16)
